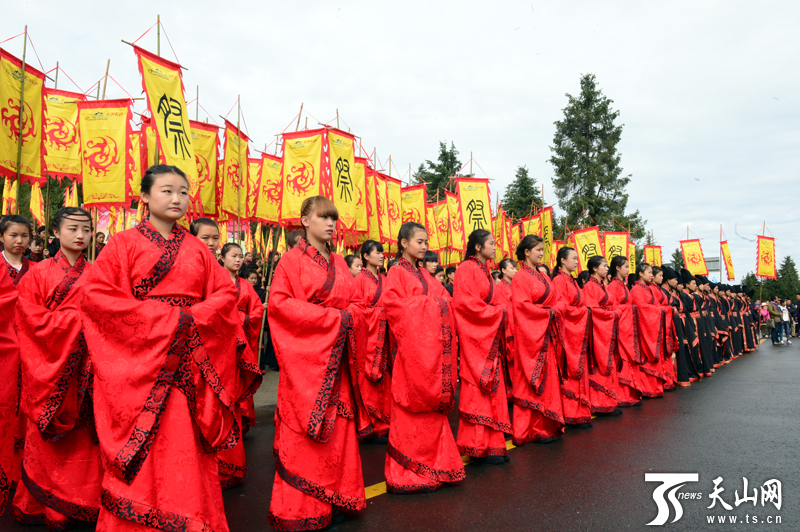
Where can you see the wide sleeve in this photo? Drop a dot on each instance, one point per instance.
(576, 323)
(53, 356)
(423, 329)
(536, 328)
(605, 329)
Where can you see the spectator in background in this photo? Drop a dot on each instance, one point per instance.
(449, 274)
(100, 243)
(36, 252)
(797, 320)
(430, 262)
(763, 315)
(293, 238)
(786, 320)
(439, 275)
(775, 313)
(354, 264)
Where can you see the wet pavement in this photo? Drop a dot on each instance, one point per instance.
(742, 422)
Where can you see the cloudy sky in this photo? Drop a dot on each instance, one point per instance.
(709, 92)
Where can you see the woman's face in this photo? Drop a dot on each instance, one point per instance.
(623, 271)
(509, 272)
(233, 259)
(209, 234)
(74, 233)
(168, 198)
(16, 239)
(375, 258)
(570, 264)
(647, 275)
(253, 279)
(658, 278)
(36, 248)
(535, 254)
(440, 277)
(431, 267)
(319, 228)
(487, 250)
(355, 266)
(417, 245)
(602, 270)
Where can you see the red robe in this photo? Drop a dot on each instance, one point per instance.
(482, 323)
(538, 412)
(9, 368)
(576, 322)
(505, 293)
(61, 469)
(421, 454)
(158, 316)
(317, 322)
(232, 463)
(12, 421)
(627, 343)
(670, 342)
(604, 382)
(651, 340)
(375, 362)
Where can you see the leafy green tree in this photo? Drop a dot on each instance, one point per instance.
(677, 259)
(521, 194)
(589, 177)
(788, 282)
(437, 174)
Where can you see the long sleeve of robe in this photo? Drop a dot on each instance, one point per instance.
(604, 382)
(651, 335)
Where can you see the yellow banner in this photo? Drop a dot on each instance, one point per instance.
(135, 162)
(652, 255)
(726, 257)
(234, 202)
(532, 225)
(475, 207)
(372, 206)
(556, 245)
(414, 205)
(300, 176)
(442, 224)
(394, 197)
(430, 226)
(360, 183)
(765, 265)
(632, 256)
(381, 193)
(345, 194)
(163, 87)
(587, 244)
(457, 240)
(105, 146)
(693, 257)
(253, 185)
(499, 231)
(9, 196)
(205, 142)
(37, 204)
(516, 238)
(63, 148)
(616, 244)
(547, 235)
(151, 142)
(269, 197)
(30, 128)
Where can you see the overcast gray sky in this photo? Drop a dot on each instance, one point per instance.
(709, 92)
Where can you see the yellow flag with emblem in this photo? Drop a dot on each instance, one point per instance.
(587, 244)
(301, 172)
(765, 260)
(62, 158)
(441, 223)
(413, 202)
(693, 257)
(382, 206)
(37, 204)
(395, 202)
(430, 226)
(532, 225)
(549, 256)
(268, 207)
(205, 141)
(234, 200)
(631, 255)
(253, 185)
(360, 184)
(726, 257)
(163, 87)
(9, 196)
(457, 240)
(652, 255)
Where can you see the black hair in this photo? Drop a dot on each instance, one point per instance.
(656, 270)
(561, 256)
(227, 247)
(99, 233)
(438, 269)
(349, 259)
(430, 256)
(593, 263)
(65, 213)
(406, 232)
(250, 272)
(496, 275)
(505, 263)
(640, 269)
(368, 247)
(381, 270)
(159, 169)
(392, 262)
(40, 229)
(546, 268)
(616, 263)
(294, 237)
(198, 223)
(583, 278)
(12, 219)
(452, 269)
(476, 238)
(38, 241)
(527, 243)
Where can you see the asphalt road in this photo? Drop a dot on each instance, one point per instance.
(742, 422)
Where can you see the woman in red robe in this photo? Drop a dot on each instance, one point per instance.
(317, 322)
(232, 463)
(482, 323)
(670, 341)
(508, 269)
(15, 232)
(538, 414)
(158, 313)
(651, 332)
(8, 394)
(576, 320)
(628, 338)
(604, 382)
(375, 364)
(422, 454)
(61, 469)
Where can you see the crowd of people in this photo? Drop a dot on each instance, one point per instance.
(133, 376)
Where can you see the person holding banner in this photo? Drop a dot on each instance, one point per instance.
(576, 321)
(651, 332)
(375, 364)
(232, 463)
(482, 322)
(61, 469)
(164, 364)
(629, 377)
(604, 382)
(422, 454)
(317, 321)
(536, 390)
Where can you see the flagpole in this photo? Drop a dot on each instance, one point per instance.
(47, 204)
(297, 126)
(21, 118)
(197, 105)
(239, 133)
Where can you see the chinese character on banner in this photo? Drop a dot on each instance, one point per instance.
(587, 244)
(549, 256)
(475, 206)
(616, 244)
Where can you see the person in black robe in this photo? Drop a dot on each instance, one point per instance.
(671, 287)
(690, 315)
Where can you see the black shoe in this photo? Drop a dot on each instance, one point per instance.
(614, 413)
(637, 403)
(546, 440)
(506, 458)
(491, 460)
